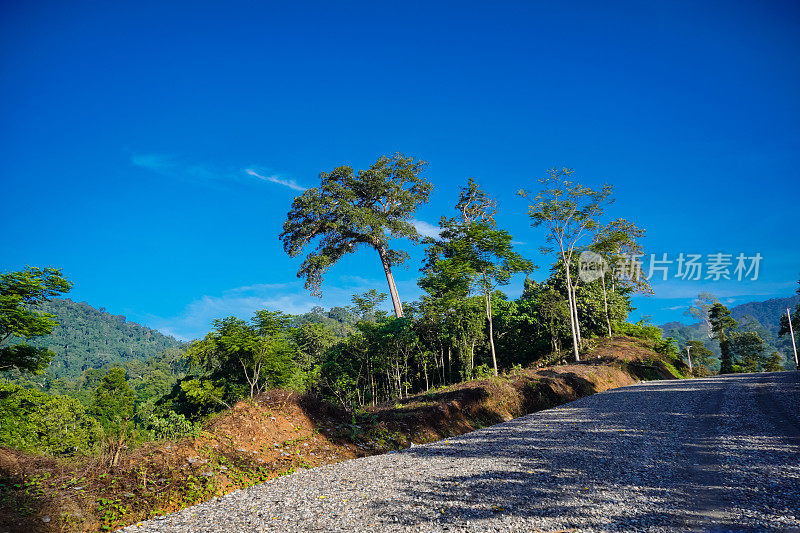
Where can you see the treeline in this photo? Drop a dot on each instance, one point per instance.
(463, 327)
(88, 338)
(763, 318)
(736, 345)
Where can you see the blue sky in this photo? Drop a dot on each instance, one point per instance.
(129, 128)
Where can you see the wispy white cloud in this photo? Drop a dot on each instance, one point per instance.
(197, 317)
(275, 179)
(154, 162)
(173, 166)
(426, 229)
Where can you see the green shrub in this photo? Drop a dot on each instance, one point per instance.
(482, 371)
(37, 422)
(640, 330)
(165, 424)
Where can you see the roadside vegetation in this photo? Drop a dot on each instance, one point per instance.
(122, 435)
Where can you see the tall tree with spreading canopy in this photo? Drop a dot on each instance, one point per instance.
(568, 211)
(350, 209)
(20, 294)
(471, 248)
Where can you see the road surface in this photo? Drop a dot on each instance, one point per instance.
(716, 454)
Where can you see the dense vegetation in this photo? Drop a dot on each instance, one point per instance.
(108, 383)
(765, 319)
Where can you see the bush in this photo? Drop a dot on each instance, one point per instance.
(37, 422)
(482, 371)
(640, 330)
(165, 424)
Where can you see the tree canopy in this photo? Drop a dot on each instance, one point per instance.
(21, 293)
(568, 211)
(473, 254)
(349, 209)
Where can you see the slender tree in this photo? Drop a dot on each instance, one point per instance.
(701, 308)
(350, 209)
(616, 242)
(475, 252)
(569, 212)
(722, 326)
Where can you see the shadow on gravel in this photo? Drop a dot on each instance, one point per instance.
(602, 461)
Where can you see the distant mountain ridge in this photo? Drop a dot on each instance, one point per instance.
(86, 337)
(765, 315)
(768, 312)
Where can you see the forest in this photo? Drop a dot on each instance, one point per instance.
(79, 381)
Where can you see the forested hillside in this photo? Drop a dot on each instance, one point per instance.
(768, 312)
(762, 317)
(87, 339)
(85, 383)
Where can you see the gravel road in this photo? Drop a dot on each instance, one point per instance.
(716, 454)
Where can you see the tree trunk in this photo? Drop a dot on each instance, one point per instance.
(572, 314)
(577, 318)
(449, 368)
(488, 300)
(387, 269)
(605, 304)
(472, 357)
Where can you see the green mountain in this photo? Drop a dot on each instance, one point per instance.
(767, 312)
(762, 317)
(88, 338)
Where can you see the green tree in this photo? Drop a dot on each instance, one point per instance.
(722, 326)
(617, 242)
(312, 340)
(365, 305)
(701, 357)
(236, 352)
(569, 211)
(37, 422)
(554, 311)
(113, 406)
(21, 293)
(472, 251)
(774, 363)
(348, 210)
(748, 351)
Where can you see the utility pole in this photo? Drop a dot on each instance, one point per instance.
(689, 355)
(791, 334)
